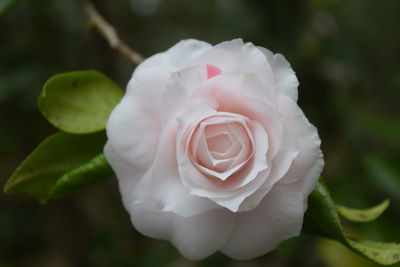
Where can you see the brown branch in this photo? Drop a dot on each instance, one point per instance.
(110, 34)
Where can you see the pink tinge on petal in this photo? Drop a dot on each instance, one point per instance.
(212, 71)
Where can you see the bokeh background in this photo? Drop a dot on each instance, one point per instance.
(346, 55)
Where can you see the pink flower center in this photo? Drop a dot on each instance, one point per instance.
(221, 145)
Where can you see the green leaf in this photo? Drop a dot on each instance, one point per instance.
(322, 211)
(90, 172)
(80, 101)
(383, 253)
(60, 164)
(362, 215)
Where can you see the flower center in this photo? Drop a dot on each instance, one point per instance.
(221, 145)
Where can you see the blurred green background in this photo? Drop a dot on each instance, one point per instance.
(346, 55)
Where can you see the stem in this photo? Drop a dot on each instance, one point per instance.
(110, 34)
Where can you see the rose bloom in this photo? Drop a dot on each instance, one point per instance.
(211, 150)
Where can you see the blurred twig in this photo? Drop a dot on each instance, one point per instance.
(110, 34)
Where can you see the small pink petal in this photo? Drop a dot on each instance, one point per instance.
(212, 71)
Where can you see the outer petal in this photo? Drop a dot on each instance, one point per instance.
(280, 165)
(195, 237)
(300, 157)
(243, 93)
(128, 174)
(308, 164)
(284, 76)
(278, 217)
(232, 56)
(134, 125)
(162, 185)
(175, 100)
(310, 179)
(179, 56)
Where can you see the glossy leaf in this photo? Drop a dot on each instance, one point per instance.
(322, 212)
(80, 101)
(362, 215)
(383, 253)
(61, 163)
(88, 173)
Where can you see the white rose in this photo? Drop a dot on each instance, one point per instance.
(211, 150)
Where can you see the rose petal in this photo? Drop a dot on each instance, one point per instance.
(233, 191)
(222, 122)
(219, 142)
(134, 116)
(250, 179)
(284, 76)
(299, 150)
(133, 128)
(235, 148)
(196, 237)
(175, 99)
(161, 182)
(128, 174)
(232, 56)
(177, 57)
(244, 94)
(310, 159)
(237, 83)
(278, 217)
